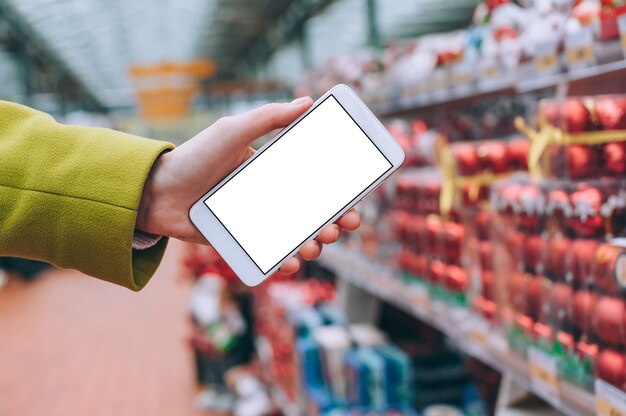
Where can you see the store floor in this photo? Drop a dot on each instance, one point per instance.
(73, 345)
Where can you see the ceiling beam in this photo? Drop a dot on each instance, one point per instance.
(284, 29)
(26, 39)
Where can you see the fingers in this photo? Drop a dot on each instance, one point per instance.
(290, 266)
(263, 120)
(350, 220)
(329, 234)
(311, 250)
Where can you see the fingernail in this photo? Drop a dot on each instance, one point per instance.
(301, 100)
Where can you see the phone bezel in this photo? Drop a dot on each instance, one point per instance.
(225, 244)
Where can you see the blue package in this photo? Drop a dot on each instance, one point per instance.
(397, 375)
(308, 353)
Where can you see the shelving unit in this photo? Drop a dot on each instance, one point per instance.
(287, 408)
(467, 331)
(609, 56)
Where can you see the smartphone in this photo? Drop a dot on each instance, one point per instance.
(306, 177)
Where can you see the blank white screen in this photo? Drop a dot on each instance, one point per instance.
(297, 184)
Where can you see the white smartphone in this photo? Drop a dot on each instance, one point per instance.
(306, 177)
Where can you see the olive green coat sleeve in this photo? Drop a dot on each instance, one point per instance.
(69, 196)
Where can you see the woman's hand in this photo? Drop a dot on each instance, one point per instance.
(179, 178)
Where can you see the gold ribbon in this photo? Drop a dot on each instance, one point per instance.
(452, 182)
(550, 135)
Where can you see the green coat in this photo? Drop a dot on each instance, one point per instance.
(69, 196)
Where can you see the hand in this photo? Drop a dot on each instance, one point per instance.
(179, 178)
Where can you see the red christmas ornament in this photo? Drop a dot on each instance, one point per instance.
(566, 340)
(517, 151)
(486, 278)
(485, 249)
(611, 367)
(483, 224)
(582, 311)
(534, 251)
(615, 158)
(586, 220)
(577, 116)
(583, 252)
(516, 290)
(437, 271)
(467, 161)
(611, 112)
(558, 249)
(608, 319)
(493, 155)
(560, 299)
(534, 295)
(604, 271)
(582, 161)
(456, 279)
(453, 236)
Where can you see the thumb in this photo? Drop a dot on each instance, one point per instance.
(263, 120)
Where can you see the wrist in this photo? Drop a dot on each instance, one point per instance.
(145, 216)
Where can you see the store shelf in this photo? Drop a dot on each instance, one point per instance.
(264, 352)
(461, 326)
(609, 56)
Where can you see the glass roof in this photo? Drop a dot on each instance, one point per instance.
(99, 40)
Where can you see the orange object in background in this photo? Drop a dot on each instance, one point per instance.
(165, 90)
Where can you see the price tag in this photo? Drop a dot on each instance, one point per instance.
(546, 58)
(489, 70)
(621, 24)
(544, 374)
(610, 401)
(440, 79)
(419, 297)
(478, 331)
(580, 49)
(462, 74)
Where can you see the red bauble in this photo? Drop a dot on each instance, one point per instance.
(486, 278)
(560, 299)
(490, 309)
(483, 224)
(453, 236)
(434, 227)
(534, 252)
(542, 331)
(467, 161)
(531, 202)
(437, 271)
(493, 155)
(587, 350)
(517, 151)
(586, 220)
(582, 311)
(611, 367)
(551, 113)
(615, 158)
(514, 241)
(558, 202)
(577, 116)
(582, 161)
(583, 254)
(611, 112)
(485, 249)
(456, 279)
(604, 270)
(534, 296)
(566, 340)
(558, 250)
(608, 318)
(516, 290)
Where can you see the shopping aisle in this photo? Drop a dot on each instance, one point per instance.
(78, 346)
